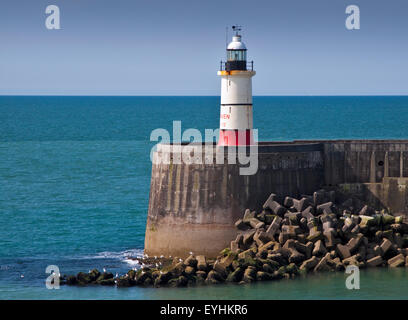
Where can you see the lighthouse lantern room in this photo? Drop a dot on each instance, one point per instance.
(236, 73)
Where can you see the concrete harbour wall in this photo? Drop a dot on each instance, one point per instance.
(193, 207)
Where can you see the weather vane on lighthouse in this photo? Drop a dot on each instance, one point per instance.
(236, 121)
(236, 28)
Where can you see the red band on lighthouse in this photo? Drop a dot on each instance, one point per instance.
(236, 138)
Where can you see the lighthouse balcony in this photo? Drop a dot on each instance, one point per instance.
(236, 65)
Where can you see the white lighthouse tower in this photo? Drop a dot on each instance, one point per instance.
(236, 122)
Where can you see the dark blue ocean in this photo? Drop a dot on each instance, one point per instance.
(75, 178)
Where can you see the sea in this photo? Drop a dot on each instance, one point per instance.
(75, 178)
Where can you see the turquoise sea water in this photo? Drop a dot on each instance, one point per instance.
(75, 178)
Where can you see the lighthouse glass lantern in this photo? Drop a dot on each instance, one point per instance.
(236, 55)
(236, 122)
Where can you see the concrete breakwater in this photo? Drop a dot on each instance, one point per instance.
(193, 207)
(318, 233)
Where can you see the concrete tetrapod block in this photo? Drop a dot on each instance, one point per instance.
(309, 264)
(234, 246)
(301, 204)
(274, 226)
(366, 211)
(262, 237)
(291, 230)
(255, 223)
(248, 215)
(277, 208)
(288, 202)
(308, 213)
(378, 251)
(306, 249)
(329, 238)
(324, 208)
(343, 251)
(319, 248)
(221, 265)
(314, 235)
(322, 265)
(319, 197)
(355, 242)
(397, 261)
(375, 262)
(353, 260)
(241, 225)
(269, 201)
(294, 255)
(385, 245)
(248, 237)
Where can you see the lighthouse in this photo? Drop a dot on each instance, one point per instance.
(236, 122)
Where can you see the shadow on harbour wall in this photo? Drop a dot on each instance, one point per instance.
(377, 170)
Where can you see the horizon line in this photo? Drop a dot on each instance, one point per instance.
(198, 95)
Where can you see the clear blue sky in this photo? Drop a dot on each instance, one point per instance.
(162, 47)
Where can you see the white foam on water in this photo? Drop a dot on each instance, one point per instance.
(132, 262)
(121, 255)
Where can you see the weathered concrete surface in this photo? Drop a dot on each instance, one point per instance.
(378, 169)
(193, 207)
(178, 239)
